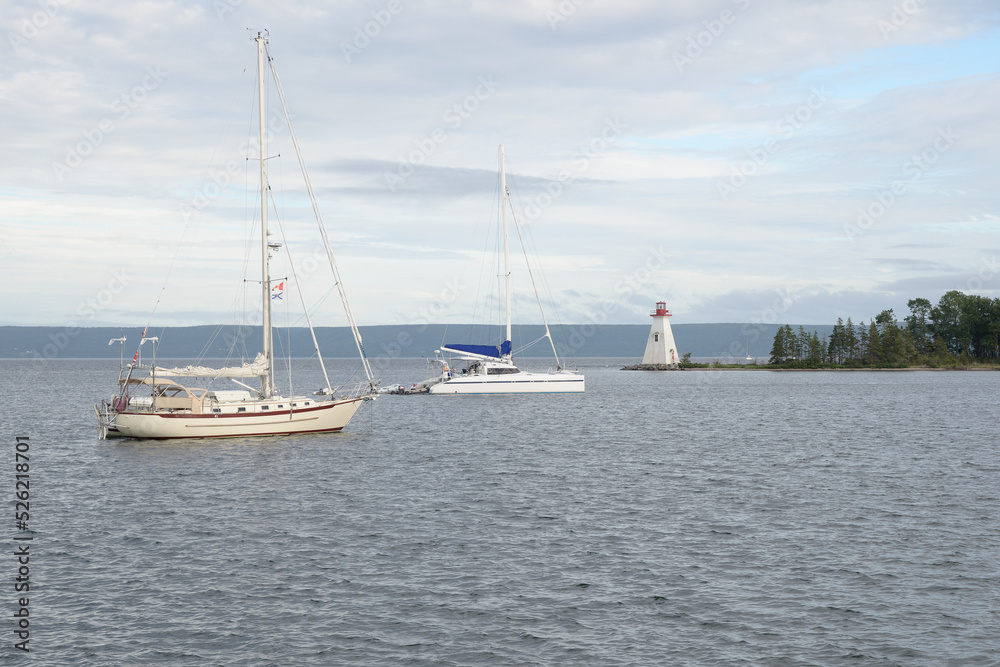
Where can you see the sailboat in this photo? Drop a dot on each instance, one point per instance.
(490, 369)
(157, 403)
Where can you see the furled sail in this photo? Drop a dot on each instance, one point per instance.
(492, 351)
(255, 369)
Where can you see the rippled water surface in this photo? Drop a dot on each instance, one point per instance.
(696, 517)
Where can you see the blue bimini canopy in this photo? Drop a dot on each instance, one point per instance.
(482, 350)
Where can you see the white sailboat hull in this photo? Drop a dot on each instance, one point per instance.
(515, 383)
(322, 417)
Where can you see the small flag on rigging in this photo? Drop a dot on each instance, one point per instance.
(136, 357)
(277, 290)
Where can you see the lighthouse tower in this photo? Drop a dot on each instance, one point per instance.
(661, 350)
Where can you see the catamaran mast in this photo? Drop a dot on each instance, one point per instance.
(506, 239)
(266, 381)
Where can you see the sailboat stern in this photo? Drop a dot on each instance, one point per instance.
(106, 425)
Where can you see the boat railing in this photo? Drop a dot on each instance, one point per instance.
(105, 418)
(360, 389)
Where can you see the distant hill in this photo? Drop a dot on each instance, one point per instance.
(575, 340)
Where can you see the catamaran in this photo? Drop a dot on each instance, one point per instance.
(152, 402)
(490, 369)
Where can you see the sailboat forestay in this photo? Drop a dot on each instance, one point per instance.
(490, 369)
(152, 402)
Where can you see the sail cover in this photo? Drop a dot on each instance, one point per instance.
(481, 350)
(256, 369)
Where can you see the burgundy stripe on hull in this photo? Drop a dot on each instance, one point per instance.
(170, 426)
(235, 435)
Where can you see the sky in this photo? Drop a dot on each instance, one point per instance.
(745, 161)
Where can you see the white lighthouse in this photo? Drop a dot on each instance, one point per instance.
(661, 350)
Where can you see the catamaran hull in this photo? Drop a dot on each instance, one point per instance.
(520, 383)
(322, 419)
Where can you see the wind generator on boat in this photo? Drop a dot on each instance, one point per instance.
(156, 405)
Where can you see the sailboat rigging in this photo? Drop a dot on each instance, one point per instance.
(167, 408)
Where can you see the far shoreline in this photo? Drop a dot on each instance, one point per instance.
(768, 367)
(904, 370)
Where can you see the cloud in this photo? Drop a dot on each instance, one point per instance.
(743, 110)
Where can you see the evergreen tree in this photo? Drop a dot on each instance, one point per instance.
(815, 351)
(991, 337)
(874, 355)
(862, 354)
(918, 324)
(981, 319)
(940, 352)
(791, 342)
(802, 344)
(850, 342)
(946, 319)
(890, 337)
(835, 348)
(779, 349)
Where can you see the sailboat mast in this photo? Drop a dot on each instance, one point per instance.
(506, 238)
(266, 381)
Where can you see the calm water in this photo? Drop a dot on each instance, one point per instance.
(681, 518)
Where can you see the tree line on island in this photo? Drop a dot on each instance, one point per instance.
(961, 329)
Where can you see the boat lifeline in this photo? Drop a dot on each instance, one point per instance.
(154, 402)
